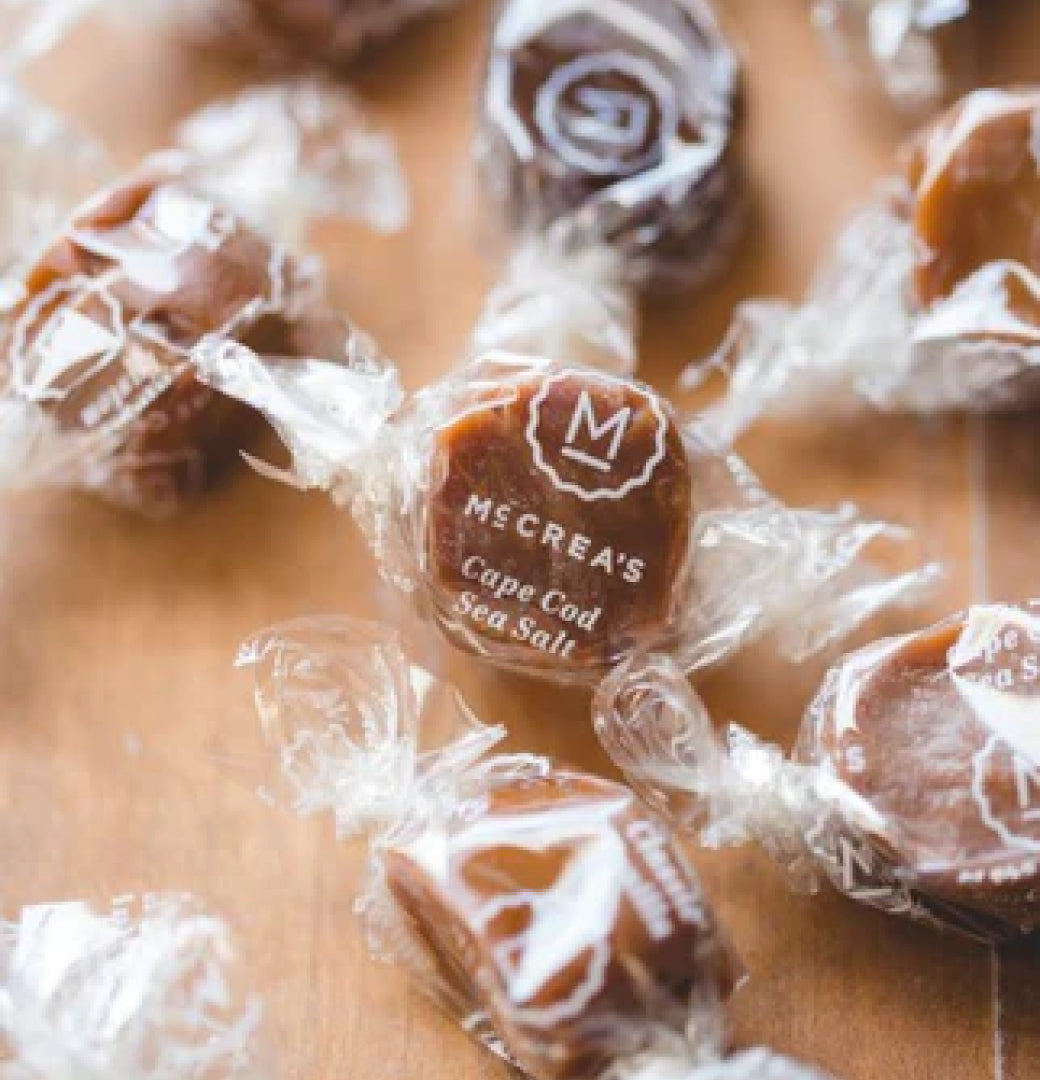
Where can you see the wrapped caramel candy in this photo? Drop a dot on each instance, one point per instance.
(146, 991)
(95, 387)
(916, 53)
(542, 907)
(931, 300)
(553, 519)
(608, 140)
(914, 787)
(621, 120)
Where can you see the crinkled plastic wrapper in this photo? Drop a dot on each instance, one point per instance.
(331, 32)
(553, 519)
(103, 303)
(914, 786)
(608, 142)
(931, 299)
(147, 991)
(917, 54)
(553, 917)
(31, 28)
(273, 32)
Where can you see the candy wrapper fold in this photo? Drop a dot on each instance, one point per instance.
(757, 1063)
(916, 53)
(358, 729)
(913, 786)
(554, 302)
(146, 991)
(31, 28)
(287, 153)
(274, 34)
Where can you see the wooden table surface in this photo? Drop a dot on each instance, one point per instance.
(116, 635)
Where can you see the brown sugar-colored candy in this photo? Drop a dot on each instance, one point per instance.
(939, 735)
(975, 181)
(621, 119)
(109, 314)
(565, 912)
(558, 521)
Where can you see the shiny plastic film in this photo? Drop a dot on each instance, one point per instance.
(277, 34)
(930, 301)
(148, 990)
(915, 53)
(553, 302)
(553, 519)
(47, 165)
(913, 786)
(96, 388)
(287, 33)
(553, 917)
(757, 1063)
(31, 28)
(608, 146)
(287, 153)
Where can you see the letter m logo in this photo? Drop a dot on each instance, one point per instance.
(604, 437)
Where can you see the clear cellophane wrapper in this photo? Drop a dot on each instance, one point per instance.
(553, 519)
(615, 125)
(555, 299)
(149, 990)
(517, 893)
(758, 1063)
(864, 335)
(31, 28)
(277, 34)
(607, 151)
(913, 786)
(102, 302)
(915, 54)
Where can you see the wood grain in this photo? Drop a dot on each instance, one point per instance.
(116, 636)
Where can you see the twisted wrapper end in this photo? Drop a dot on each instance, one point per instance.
(287, 153)
(571, 305)
(757, 1063)
(889, 43)
(659, 733)
(329, 414)
(805, 578)
(355, 728)
(146, 991)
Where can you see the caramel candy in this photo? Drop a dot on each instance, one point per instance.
(939, 735)
(975, 180)
(109, 314)
(565, 912)
(623, 120)
(558, 523)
